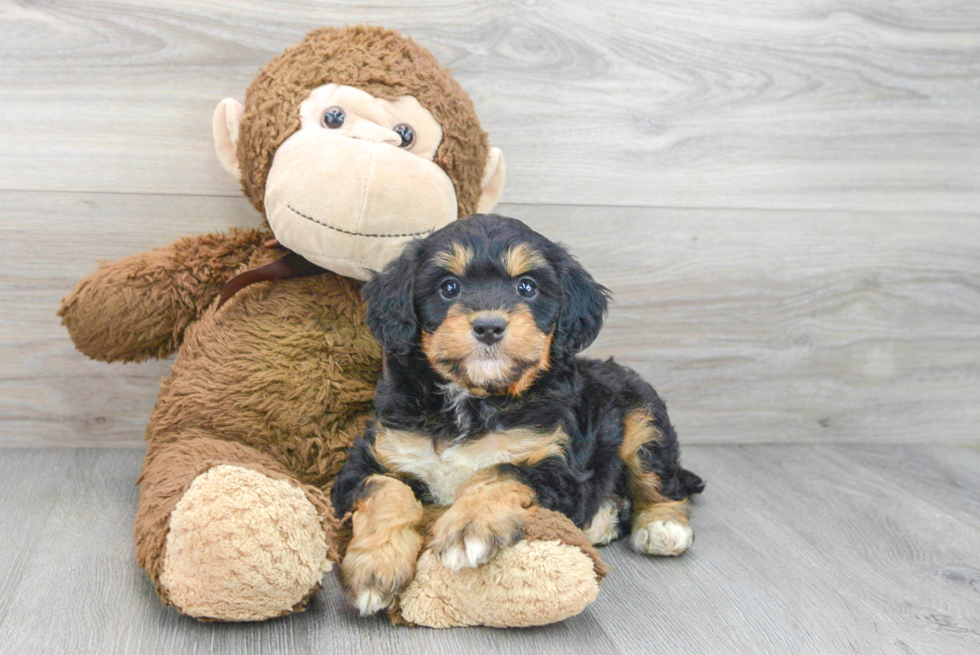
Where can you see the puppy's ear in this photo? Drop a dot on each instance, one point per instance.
(390, 299)
(583, 306)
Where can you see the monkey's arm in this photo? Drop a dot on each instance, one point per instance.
(137, 307)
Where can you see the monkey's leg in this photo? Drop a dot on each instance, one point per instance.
(550, 575)
(226, 533)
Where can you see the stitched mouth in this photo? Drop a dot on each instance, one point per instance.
(360, 234)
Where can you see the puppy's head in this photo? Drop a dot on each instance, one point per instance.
(489, 301)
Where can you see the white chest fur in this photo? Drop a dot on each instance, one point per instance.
(446, 467)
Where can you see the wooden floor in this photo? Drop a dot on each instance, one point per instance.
(783, 196)
(800, 549)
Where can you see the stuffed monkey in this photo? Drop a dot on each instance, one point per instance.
(350, 143)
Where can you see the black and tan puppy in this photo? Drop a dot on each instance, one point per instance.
(483, 407)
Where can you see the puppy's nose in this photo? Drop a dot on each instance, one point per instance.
(489, 329)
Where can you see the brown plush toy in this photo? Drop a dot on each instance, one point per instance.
(350, 143)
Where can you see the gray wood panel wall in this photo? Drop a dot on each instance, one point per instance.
(784, 196)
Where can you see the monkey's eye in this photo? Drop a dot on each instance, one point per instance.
(405, 131)
(449, 289)
(526, 288)
(334, 117)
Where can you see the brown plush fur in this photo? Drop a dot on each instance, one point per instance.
(381, 62)
(138, 307)
(170, 469)
(281, 378)
(288, 368)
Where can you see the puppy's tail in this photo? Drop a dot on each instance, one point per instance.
(692, 482)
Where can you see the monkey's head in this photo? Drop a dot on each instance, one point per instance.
(354, 142)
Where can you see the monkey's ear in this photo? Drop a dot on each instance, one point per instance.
(583, 306)
(390, 301)
(225, 123)
(494, 176)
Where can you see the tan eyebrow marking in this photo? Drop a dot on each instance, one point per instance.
(456, 261)
(521, 258)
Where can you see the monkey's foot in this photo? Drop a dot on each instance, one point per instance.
(243, 547)
(549, 576)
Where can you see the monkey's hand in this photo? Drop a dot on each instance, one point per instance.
(137, 307)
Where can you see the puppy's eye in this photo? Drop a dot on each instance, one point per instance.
(449, 289)
(526, 288)
(405, 131)
(334, 117)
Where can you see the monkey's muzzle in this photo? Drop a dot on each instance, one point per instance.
(351, 205)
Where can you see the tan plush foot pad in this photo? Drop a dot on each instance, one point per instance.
(531, 583)
(242, 547)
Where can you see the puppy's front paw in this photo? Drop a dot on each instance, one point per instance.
(380, 559)
(668, 537)
(461, 540)
(373, 577)
(488, 514)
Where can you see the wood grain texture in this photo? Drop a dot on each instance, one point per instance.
(756, 326)
(800, 549)
(50, 393)
(783, 197)
(828, 104)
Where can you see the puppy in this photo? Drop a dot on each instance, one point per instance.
(483, 407)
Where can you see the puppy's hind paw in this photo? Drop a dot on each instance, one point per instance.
(662, 538)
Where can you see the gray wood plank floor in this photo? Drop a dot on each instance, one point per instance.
(800, 549)
(782, 194)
